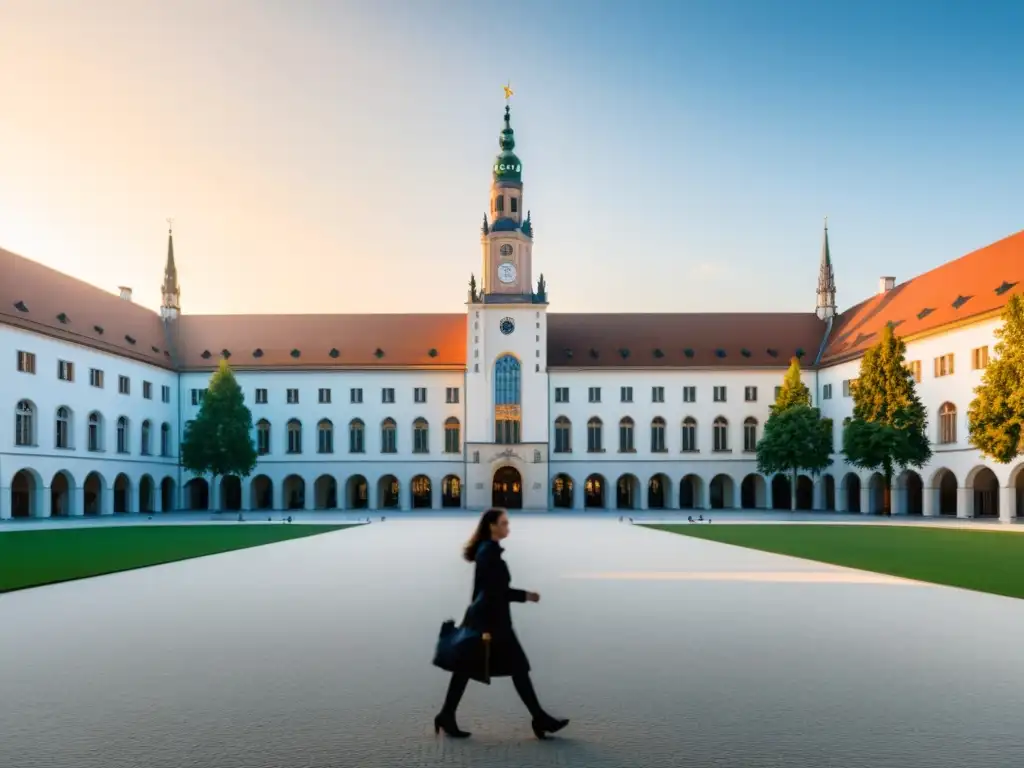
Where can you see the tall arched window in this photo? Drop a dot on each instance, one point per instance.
(122, 434)
(325, 436)
(507, 400)
(594, 441)
(452, 435)
(420, 436)
(356, 436)
(63, 436)
(658, 435)
(294, 436)
(165, 439)
(720, 432)
(146, 429)
(263, 437)
(947, 424)
(95, 438)
(689, 434)
(626, 435)
(24, 423)
(563, 435)
(388, 436)
(750, 434)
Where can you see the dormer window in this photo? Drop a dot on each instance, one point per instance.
(688, 352)
(624, 353)
(98, 329)
(745, 352)
(295, 353)
(658, 353)
(379, 353)
(999, 291)
(924, 313)
(257, 353)
(225, 353)
(772, 352)
(63, 318)
(334, 353)
(960, 301)
(129, 339)
(594, 353)
(720, 353)
(20, 306)
(206, 354)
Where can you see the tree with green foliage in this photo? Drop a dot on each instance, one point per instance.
(793, 391)
(795, 438)
(888, 430)
(995, 418)
(218, 441)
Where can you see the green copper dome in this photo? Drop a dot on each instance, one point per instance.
(507, 167)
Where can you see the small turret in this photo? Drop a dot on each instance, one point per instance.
(826, 304)
(170, 304)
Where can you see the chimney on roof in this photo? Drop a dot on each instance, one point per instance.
(886, 284)
(126, 292)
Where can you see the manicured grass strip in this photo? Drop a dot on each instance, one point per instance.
(986, 561)
(34, 558)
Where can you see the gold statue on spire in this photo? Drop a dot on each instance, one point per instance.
(508, 90)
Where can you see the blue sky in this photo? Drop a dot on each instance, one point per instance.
(334, 157)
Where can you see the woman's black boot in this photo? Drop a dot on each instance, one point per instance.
(546, 724)
(445, 722)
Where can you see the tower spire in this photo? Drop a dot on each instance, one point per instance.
(826, 305)
(170, 305)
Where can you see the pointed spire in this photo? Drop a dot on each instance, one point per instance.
(826, 305)
(507, 166)
(171, 303)
(484, 229)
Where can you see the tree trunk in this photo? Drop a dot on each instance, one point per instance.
(792, 492)
(887, 495)
(210, 495)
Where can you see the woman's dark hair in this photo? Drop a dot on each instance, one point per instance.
(482, 532)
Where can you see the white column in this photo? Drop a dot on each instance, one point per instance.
(704, 502)
(107, 500)
(157, 499)
(1008, 504)
(898, 500)
(43, 502)
(965, 502)
(5, 503)
(214, 496)
(246, 494)
(865, 498)
(930, 502)
(310, 500)
(819, 494)
(76, 498)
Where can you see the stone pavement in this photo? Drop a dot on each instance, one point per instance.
(663, 649)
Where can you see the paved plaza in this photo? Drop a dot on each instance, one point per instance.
(664, 650)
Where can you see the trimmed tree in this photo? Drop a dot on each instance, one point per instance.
(793, 391)
(795, 438)
(995, 417)
(218, 441)
(888, 430)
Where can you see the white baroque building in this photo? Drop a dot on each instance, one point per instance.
(503, 403)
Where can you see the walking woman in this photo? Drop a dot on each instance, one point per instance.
(491, 614)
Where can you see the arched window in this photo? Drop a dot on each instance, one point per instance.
(689, 434)
(720, 432)
(750, 434)
(658, 435)
(325, 436)
(420, 436)
(24, 424)
(388, 436)
(626, 435)
(507, 400)
(122, 434)
(294, 436)
(144, 447)
(263, 437)
(452, 435)
(63, 436)
(95, 438)
(165, 439)
(356, 436)
(563, 435)
(594, 435)
(947, 424)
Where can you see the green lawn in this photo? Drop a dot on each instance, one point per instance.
(987, 561)
(34, 558)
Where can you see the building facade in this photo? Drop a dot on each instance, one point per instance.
(502, 403)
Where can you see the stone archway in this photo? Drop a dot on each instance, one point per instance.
(388, 489)
(593, 492)
(829, 484)
(147, 493)
(912, 486)
(420, 492)
(753, 492)
(691, 492)
(562, 491)
(945, 483)
(293, 492)
(122, 494)
(781, 495)
(451, 492)
(93, 494)
(167, 503)
(507, 488)
(325, 492)
(25, 494)
(659, 491)
(627, 492)
(722, 492)
(804, 493)
(357, 493)
(261, 493)
(61, 494)
(851, 489)
(876, 494)
(985, 487)
(197, 494)
(231, 493)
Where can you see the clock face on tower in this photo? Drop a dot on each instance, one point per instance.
(506, 250)
(507, 272)
(507, 325)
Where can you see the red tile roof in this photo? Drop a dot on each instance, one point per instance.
(690, 340)
(974, 285)
(37, 298)
(322, 341)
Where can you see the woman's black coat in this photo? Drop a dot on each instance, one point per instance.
(490, 611)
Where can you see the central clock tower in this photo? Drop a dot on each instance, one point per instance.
(507, 239)
(506, 437)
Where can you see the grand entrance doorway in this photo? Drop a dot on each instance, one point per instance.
(507, 490)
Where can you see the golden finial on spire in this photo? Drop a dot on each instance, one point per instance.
(508, 90)
(170, 225)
